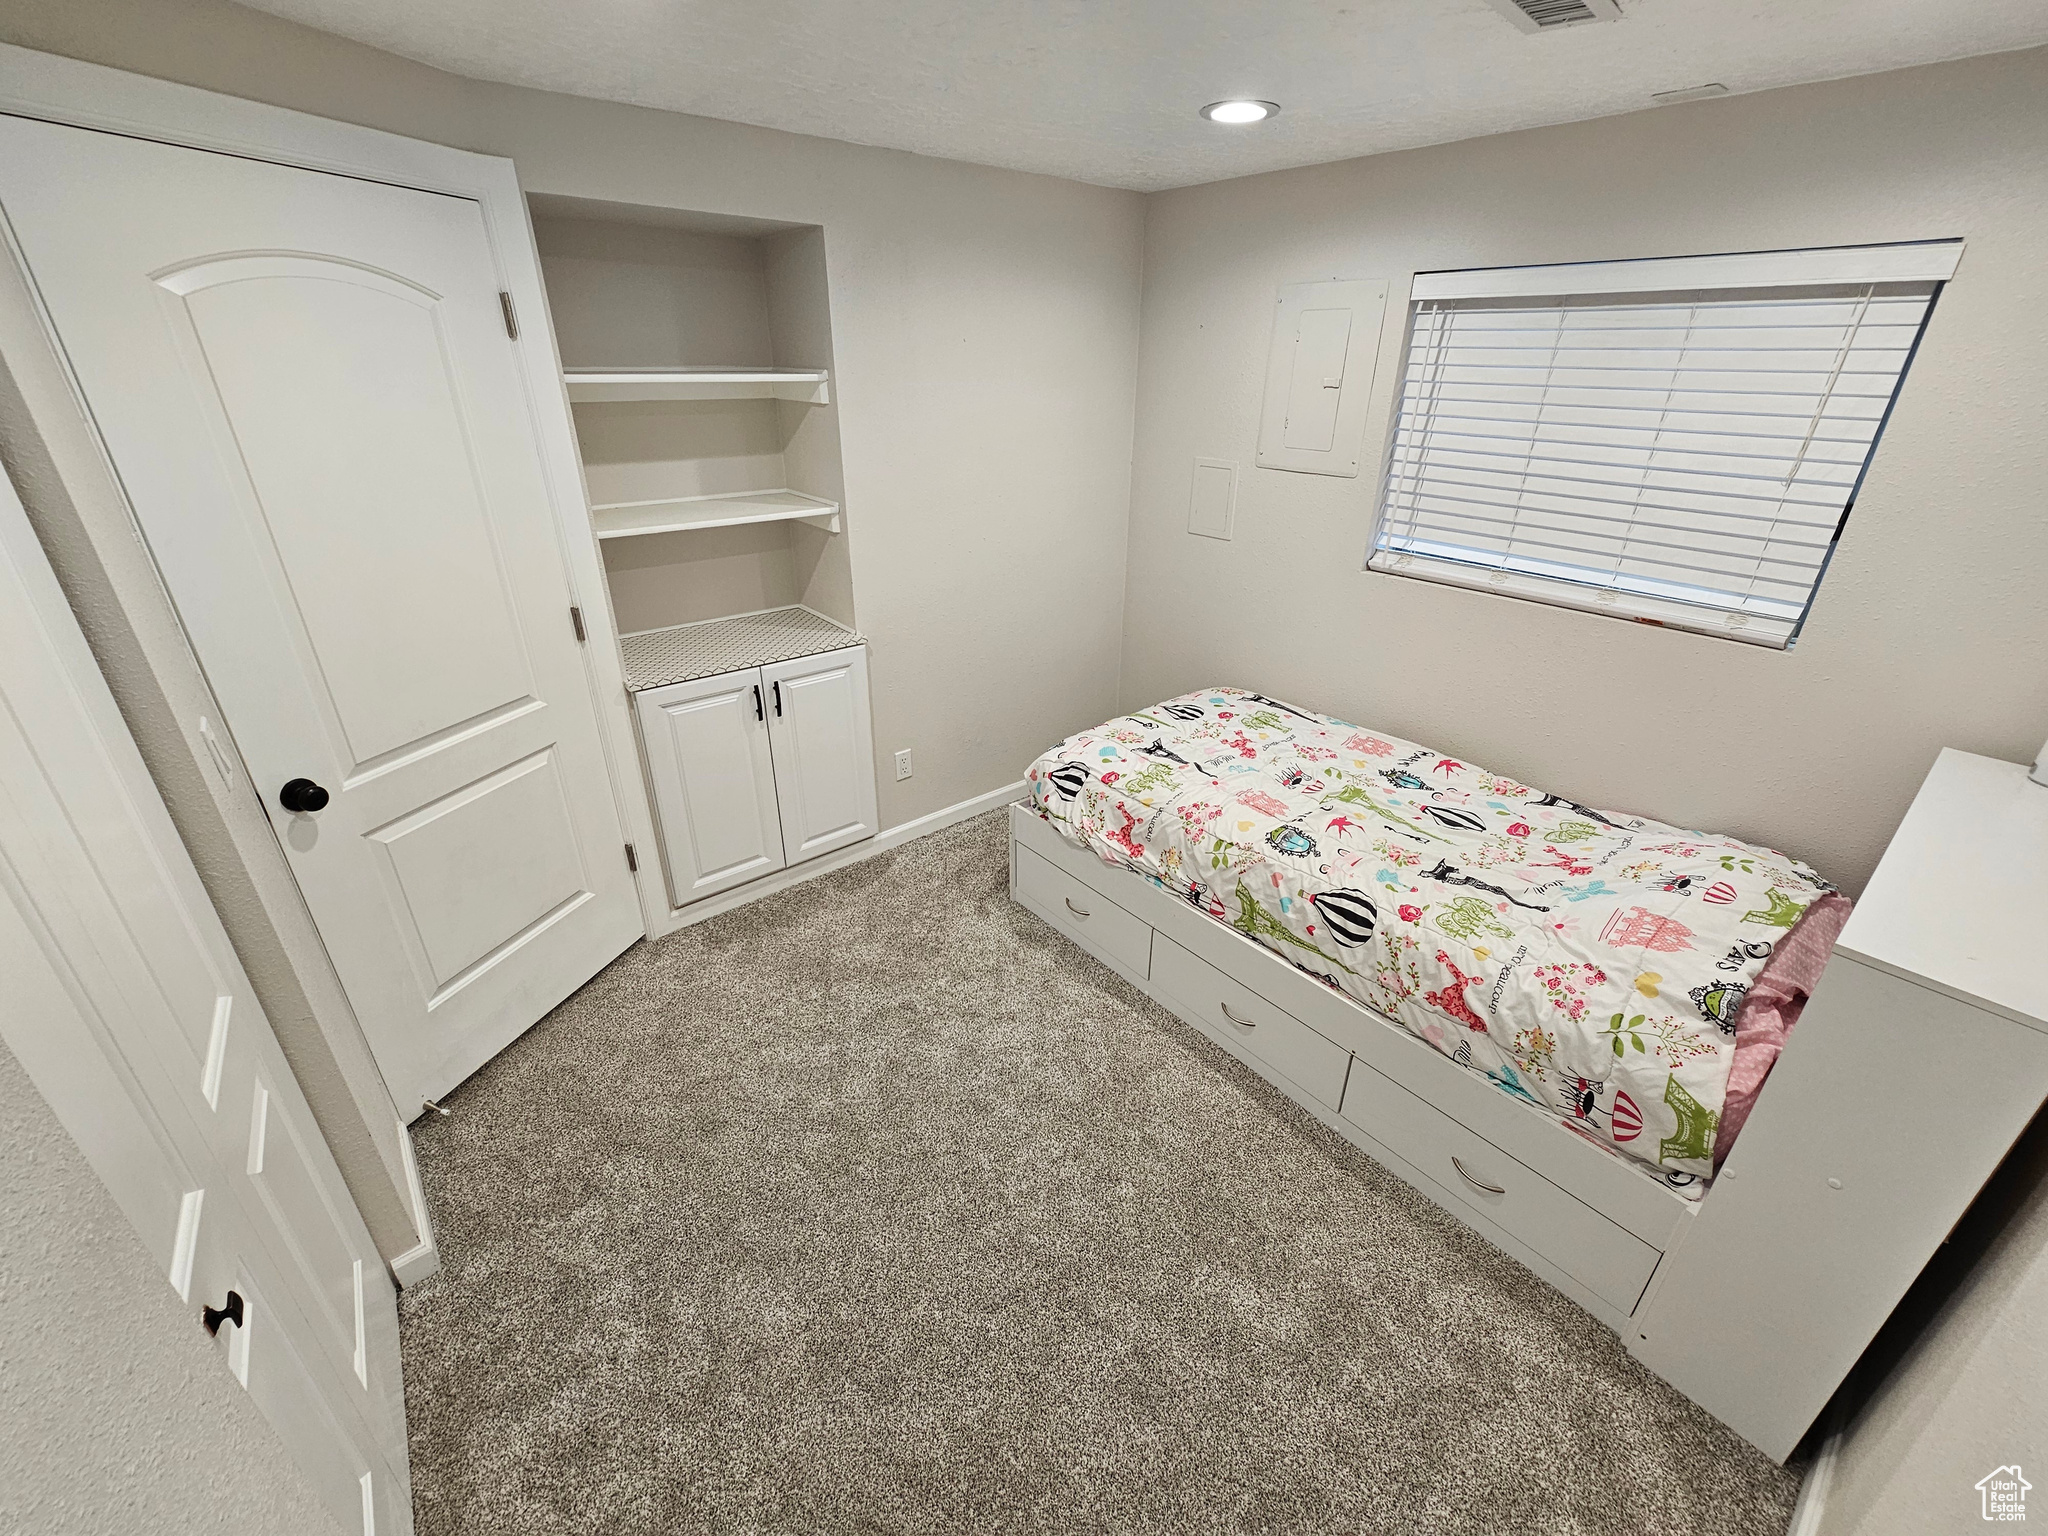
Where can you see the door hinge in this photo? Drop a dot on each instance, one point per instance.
(511, 315)
(632, 859)
(576, 622)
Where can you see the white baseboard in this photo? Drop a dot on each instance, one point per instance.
(1813, 1492)
(424, 1257)
(416, 1264)
(882, 842)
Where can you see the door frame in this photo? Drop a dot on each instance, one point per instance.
(61, 90)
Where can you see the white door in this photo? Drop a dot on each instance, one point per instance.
(714, 781)
(129, 1010)
(306, 385)
(824, 750)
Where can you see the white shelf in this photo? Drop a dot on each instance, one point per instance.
(806, 385)
(655, 658)
(628, 519)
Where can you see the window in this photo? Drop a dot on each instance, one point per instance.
(1677, 441)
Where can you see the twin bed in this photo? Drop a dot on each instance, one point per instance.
(1592, 965)
(1553, 1020)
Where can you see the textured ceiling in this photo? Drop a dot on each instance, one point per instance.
(1107, 90)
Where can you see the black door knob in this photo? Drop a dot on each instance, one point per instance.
(302, 797)
(230, 1312)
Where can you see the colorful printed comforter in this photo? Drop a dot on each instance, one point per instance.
(1591, 964)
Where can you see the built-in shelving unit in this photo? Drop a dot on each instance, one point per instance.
(808, 386)
(697, 353)
(730, 594)
(626, 519)
(655, 658)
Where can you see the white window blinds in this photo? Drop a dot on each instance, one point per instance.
(1674, 440)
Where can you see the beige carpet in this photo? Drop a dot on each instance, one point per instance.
(877, 1207)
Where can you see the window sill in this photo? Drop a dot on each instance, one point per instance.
(1749, 629)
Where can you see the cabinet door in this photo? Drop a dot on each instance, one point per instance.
(714, 781)
(824, 750)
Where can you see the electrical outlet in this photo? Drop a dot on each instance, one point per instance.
(903, 764)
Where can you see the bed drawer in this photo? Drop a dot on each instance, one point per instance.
(1210, 1000)
(1609, 1262)
(1084, 915)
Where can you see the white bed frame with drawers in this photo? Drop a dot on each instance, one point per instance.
(1916, 1064)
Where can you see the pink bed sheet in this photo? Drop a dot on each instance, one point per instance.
(1773, 1006)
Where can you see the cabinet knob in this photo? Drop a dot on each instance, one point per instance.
(302, 797)
(229, 1311)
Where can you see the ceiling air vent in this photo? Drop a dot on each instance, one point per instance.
(1556, 15)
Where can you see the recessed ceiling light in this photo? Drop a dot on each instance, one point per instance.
(1240, 111)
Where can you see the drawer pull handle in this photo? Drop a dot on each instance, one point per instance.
(1491, 1189)
(1240, 1023)
(1078, 911)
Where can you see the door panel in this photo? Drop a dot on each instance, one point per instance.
(714, 782)
(306, 387)
(263, 1356)
(336, 386)
(281, 1168)
(483, 870)
(267, 1354)
(126, 1005)
(45, 1022)
(1317, 380)
(824, 751)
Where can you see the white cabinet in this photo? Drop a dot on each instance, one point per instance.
(757, 769)
(1921, 1057)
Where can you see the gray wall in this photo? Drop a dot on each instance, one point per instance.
(118, 1418)
(1911, 646)
(985, 330)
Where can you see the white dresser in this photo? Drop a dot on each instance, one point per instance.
(1920, 1058)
